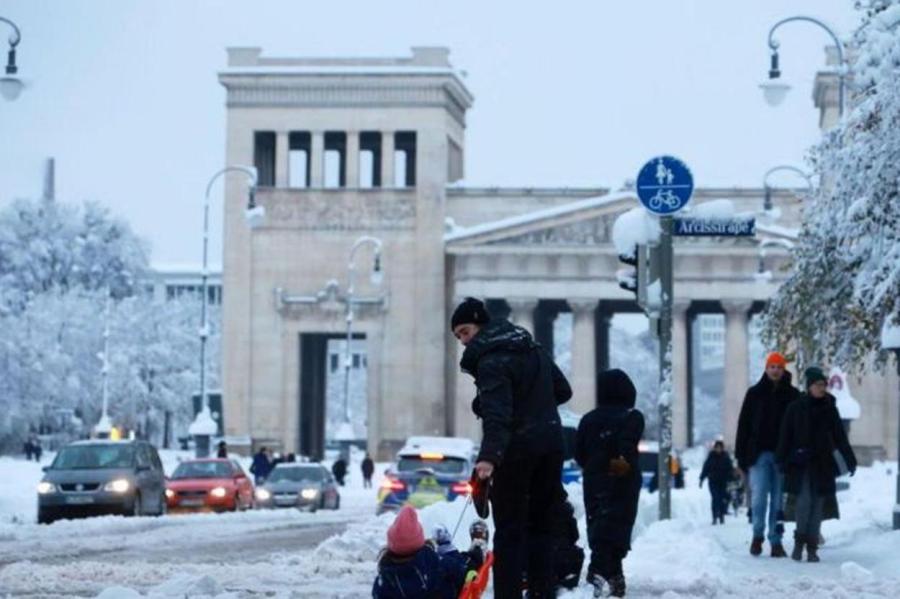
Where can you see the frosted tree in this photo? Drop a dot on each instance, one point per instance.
(845, 277)
(47, 245)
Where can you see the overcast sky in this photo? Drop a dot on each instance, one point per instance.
(123, 93)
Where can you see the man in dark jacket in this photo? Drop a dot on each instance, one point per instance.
(519, 388)
(368, 468)
(757, 437)
(719, 470)
(810, 434)
(261, 466)
(339, 470)
(606, 448)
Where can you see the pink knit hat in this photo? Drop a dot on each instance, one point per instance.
(405, 536)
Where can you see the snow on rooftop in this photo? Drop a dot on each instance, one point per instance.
(537, 216)
(453, 446)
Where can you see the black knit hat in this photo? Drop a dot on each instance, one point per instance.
(814, 374)
(470, 311)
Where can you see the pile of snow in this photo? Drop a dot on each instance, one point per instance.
(635, 227)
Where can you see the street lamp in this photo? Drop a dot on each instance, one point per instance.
(890, 340)
(204, 426)
(775, 90)
(345, 431)
(104, 426)
(767, 201)
(10, 85)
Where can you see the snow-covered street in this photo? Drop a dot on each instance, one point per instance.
(332, 554)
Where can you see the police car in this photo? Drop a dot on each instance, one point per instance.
(427, 470)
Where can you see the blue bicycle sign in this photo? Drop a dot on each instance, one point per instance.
(665, 185)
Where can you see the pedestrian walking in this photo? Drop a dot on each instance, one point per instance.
(28, 449)
(719, 470)
(521, 455)
(36, 449)
(812, 441)
(758, 429)
(368, 468)
(339, 470)
(606, 448)
(222, 450)
(261, 466)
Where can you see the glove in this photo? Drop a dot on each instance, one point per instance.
(619, 467)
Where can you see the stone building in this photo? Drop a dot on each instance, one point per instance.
(349, 147)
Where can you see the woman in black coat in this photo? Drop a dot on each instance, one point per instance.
(811, 439)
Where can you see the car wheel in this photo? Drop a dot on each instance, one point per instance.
(45, 517)
(236, 504)
(137, 508)
(337, 503)
(163, 506)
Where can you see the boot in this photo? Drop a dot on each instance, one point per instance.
(599, 584)
(756, 546)
(812, 548)
(799, 541)
(778, 550)
(616, 585)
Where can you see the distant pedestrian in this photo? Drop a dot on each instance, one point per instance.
(222, 451)
(339, 469)
(757, 437)
(28, 449)
(368, 468)
(606, 448)
(36, 448)
(812, 440)
(290, 458)
(261, 466)
(719, 470)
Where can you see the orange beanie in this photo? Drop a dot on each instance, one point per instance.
(777, 359)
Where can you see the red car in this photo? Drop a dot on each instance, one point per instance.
(215, 485)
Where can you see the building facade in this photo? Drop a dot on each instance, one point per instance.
(347, 148)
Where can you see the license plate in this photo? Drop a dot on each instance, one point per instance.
(191, 502)
(285, 500)
(79, 499)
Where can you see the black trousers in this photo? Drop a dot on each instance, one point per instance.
(523, 492)
(719, 499)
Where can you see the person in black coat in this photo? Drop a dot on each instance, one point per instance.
(368, 468)
(339, 470)
(759, 425)
(811, 434)
(568, 557)
(606, 448)
(519, 388)
(222, 450)
(261, 466)
(719, 470)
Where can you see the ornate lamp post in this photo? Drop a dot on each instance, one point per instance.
(775, 90)
(10, 85)
(345, 433)
(204, 426)
(767, 201)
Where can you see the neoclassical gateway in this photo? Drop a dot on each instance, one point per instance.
(348, 147)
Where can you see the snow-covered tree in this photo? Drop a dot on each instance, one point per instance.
(47, 245)
(845, 277)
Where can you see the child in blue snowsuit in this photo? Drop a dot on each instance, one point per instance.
(409, 568)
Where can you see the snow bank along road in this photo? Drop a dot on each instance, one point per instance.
(217, 556)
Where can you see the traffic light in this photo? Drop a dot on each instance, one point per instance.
(643, 275)
(628, 277)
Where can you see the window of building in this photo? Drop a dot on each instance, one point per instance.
(299, 152)
(335, 159)
(264, 157)
(405, 159)
(357, 360)
(369, 159)
(334, 362)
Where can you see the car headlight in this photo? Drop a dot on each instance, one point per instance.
(218, 492)
(309, 493)
(45, 488)
(120, 485)
(263, 494)
(170, 493)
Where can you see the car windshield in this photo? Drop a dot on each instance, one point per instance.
(442, 465)
(296, 474)
(89, 457)
(202, 470)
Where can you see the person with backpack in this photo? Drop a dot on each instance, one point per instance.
(719, 469)
(606, 448)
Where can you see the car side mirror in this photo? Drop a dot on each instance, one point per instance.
(46, 468)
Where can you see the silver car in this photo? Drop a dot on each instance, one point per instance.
(299, 485)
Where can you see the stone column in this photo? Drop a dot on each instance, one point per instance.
(317, 160)
(351, 174)
(281, 159)
(584, 355)
(680, 349)
(736, 379)
(387, 159)
(522, 312)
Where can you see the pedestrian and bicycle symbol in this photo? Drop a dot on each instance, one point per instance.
(665, 185)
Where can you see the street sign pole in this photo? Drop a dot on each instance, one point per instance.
(665, 367)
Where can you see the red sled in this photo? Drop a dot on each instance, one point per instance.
(475, 587)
